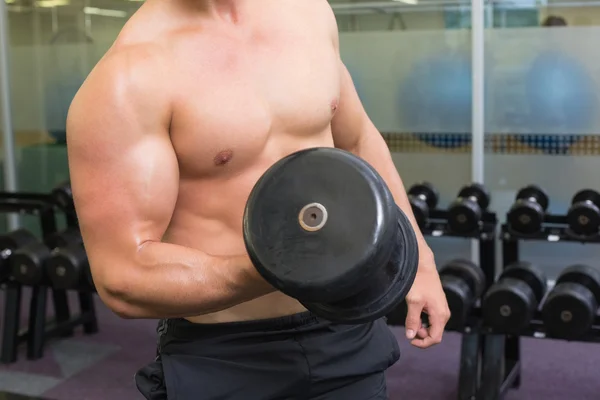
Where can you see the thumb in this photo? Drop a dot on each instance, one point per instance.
(413, 319)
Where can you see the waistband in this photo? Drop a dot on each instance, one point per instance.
(182, 328)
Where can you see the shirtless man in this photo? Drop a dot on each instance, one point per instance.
(166, 138)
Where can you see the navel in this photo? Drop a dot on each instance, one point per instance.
(223, 157)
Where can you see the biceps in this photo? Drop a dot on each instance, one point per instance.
(124, 192)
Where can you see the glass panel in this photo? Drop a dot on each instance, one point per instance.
(413, 73)
(542, 116)
(54, 46)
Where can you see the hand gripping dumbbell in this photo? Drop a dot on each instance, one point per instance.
(584, 215)
(465, 213)
(28, 262)
(10, 242)
(463, 283)
(510, 304)
(67, 268)
(527, 213)
(570, 308)
(423, 197)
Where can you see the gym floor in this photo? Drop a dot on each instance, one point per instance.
(102, 366)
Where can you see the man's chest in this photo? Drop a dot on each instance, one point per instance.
(231, 95)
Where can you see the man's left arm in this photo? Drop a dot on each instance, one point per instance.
(354, 131)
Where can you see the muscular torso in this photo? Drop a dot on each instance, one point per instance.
(248, 89)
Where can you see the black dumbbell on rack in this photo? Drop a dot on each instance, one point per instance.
(510, 304)
(463, 282)
(584, 215)
(63, 196)
(527, 214)
(423, 198)
(28, 262)
(465, 213)
(68, 268)
(570, 308)
(9, 243)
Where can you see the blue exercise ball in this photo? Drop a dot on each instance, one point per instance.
(437, 96)
(561, 95)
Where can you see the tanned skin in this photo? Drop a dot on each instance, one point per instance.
(195, 100)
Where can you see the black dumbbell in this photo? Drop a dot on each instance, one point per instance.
(510, 304)
(463, 282)
(28, 262)
(67, 268)
(528, 211)
(10, 242)
(584, 215)
(571, 306)
(423, 197)
(465, 213)
(63, 196)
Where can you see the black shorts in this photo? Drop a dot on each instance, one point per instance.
(295, 357)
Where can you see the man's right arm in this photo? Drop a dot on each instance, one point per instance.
(125, 180)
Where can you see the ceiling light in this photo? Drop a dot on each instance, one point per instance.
(104, 12)
(51, 3)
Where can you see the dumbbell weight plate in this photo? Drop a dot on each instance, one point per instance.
(530, 274)
(510, 304)
(423, 197)
(66, 267)
(584, 215)
(534, 192)
(384, 291)
(63, 239)
(420, 211)
(9, 242)
(569, 311)
(321, 226)
(428, 190)
(570, 308)
(463, 283)
(525, 217)
(63, 196)
(464, 214)
(479, 191)
(27, 263)
(527, 213)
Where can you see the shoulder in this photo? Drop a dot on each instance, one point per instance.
(318, 14)
(129, 77)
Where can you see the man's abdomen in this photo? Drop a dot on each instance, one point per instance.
(270, 306)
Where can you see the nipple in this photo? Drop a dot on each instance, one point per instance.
(223, 157)
(334, 106)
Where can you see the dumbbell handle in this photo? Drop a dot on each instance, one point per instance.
(4, 254)
(421, 196)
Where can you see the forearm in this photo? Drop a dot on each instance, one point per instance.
(374, 150)
(171, 281)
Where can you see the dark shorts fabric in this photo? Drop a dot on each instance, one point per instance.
(295, 357)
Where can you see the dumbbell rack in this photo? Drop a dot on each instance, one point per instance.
(501, 368)
(472, 340)
(37, 328)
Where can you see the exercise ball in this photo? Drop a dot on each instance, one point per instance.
(436, 96)
(561, 95)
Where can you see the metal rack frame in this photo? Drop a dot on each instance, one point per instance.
(39, 329)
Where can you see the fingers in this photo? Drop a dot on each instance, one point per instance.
(433, 335)
(413, 318)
